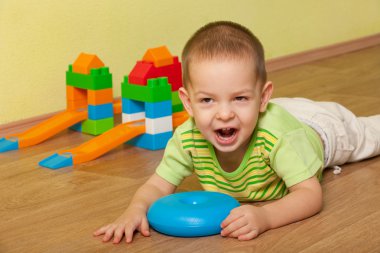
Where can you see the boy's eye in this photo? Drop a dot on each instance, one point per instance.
(206, 100)
(241, 98)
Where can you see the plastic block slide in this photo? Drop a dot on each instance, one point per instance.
(95, 147)
(157, 90)
(47, 128)
(57, 161)
(152, 141)
(85, 62)
(98, 97)
(159, 56)
(8, 144)
(132, 106)
(129, 117)
(97, 79)
(158, 109)
(114, 137)
(159, 125)
(96, 112)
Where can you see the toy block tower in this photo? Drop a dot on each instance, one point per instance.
(89, 87)
(150, 92)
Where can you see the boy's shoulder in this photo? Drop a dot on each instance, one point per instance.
(188, 130)
(278, 121)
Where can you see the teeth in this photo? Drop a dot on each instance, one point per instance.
(226, 132)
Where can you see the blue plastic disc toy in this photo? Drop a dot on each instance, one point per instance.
(191, 214)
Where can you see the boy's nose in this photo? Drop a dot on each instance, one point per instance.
(225, 114)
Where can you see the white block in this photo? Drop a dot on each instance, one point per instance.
(128, 117)
(159, 125)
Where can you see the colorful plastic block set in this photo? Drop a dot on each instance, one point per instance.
(150, 108)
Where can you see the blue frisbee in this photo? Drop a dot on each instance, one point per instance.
(190, 214)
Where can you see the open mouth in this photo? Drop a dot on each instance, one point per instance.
(226, 135)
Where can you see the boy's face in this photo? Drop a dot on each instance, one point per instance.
(225, 101)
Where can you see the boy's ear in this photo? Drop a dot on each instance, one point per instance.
(266, 94)
(185, 98)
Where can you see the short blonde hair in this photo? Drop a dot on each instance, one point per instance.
(224, 40)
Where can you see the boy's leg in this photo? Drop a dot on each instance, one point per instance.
(347, 138)
(363, 133)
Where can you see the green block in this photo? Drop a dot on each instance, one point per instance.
(98, 79)
(96, 127)
(177, 108)
(157, 90)
(175, 98)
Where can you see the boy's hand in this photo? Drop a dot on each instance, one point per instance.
(245, 223)
(133, 219)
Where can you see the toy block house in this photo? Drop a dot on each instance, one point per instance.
(89, 87)
(150, 92)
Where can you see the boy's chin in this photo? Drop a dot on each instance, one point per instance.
(225, 149)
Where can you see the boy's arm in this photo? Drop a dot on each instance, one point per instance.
(247, 221)
(134, 218)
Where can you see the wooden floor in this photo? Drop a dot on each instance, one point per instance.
(42, 210)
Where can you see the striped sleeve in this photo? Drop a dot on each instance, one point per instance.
(176, 163)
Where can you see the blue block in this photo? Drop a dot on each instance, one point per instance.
(158, 109)
(100, 111)
(77, 127)
(8, 145)
(132, 106)
(152, 141)
(57, 161)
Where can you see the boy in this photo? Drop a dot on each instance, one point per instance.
(239, 143)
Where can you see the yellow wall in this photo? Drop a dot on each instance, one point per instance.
(38, 39)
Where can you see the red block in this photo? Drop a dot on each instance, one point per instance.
(146, 70)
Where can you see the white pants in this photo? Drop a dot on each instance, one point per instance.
(346, 138)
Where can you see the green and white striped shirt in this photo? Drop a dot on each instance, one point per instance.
(282, 153)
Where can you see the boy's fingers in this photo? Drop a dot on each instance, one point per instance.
(109, 233)
(230, 219)
(129, 231)
(144, 228)
(239, 231)
(101, 230)
(119, 232)
(233, 226)
(250, 235)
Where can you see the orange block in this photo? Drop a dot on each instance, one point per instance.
(85, 62)
(73, 93)
(159, 56)
(98, 97)
(76, 104)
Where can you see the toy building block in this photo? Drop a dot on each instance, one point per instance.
(96, 127)
(159, 125)
(103, 111)
(143, 71)
(159, 56)
(151, 142)
(97, 79)
(158, 109)
(85, 62)
(98, 97)
(128, 117)
(132, 106)
(73, 93)
(157, 90)
(177, 105)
